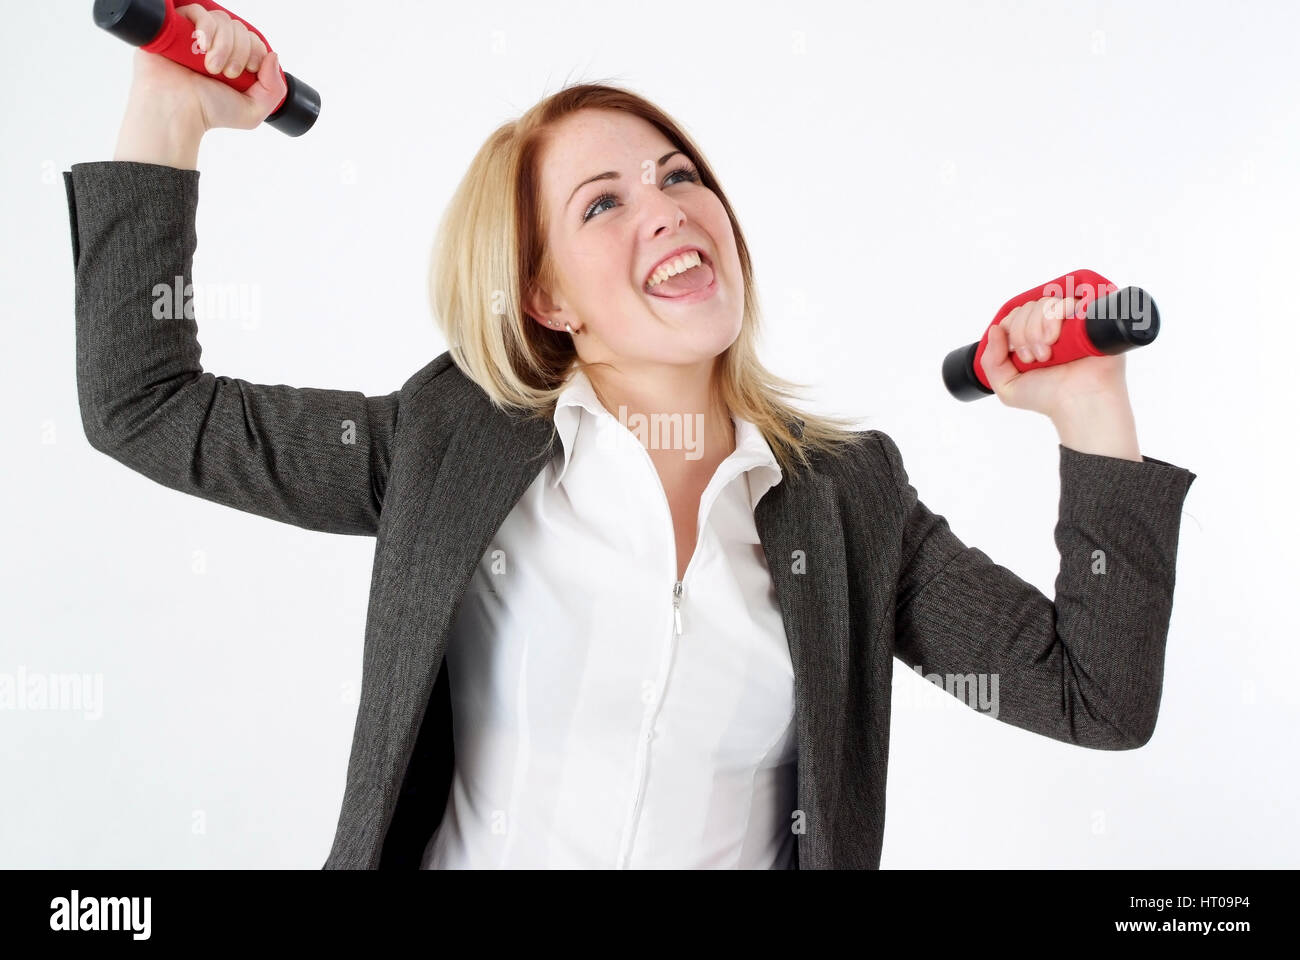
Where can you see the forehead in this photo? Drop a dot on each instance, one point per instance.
(593, 141)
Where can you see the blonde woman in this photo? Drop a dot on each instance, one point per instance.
(592, 642)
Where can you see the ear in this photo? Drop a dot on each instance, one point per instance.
(543, 309)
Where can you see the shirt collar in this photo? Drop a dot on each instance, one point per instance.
(752, 455)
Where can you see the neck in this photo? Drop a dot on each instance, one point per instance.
(675, 411)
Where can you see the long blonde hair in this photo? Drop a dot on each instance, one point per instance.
(489, 251)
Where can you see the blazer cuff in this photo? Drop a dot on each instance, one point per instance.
(1093, 483)
(104, 194)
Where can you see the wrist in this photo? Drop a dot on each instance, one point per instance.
(160, 130)
(1099, 424)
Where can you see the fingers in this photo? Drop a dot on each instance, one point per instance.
(1033, 332)
(194, 14)
(1015, 324)
(239, 55)
(223, 41)
(256, 53)
(1048, 329)
(205, 26)
(230, 46)
(1033, 327)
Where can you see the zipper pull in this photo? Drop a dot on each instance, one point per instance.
(677, 608)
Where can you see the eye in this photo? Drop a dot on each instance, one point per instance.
(686, 172)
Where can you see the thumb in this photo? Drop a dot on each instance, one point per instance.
(996, 358)
(270, 87)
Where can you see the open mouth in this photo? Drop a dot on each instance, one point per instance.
(687, 277)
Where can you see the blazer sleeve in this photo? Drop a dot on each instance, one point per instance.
(310, 457)
(1086, 668)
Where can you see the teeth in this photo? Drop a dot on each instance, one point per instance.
(673, 267)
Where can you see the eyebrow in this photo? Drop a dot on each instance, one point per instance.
(614, 175)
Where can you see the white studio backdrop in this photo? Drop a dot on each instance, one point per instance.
(900, 171)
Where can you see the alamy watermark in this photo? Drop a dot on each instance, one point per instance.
(53, 691)
(659, 431)
(128, 914)
(218, 301)
(978, 691)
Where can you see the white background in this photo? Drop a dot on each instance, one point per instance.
(900, 170)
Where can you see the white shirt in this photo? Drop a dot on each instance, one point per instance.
(588, 732)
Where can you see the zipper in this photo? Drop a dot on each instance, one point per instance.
(699, 536)
(626, 852)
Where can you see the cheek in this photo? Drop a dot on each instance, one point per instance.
(592, 270)
(718, 225)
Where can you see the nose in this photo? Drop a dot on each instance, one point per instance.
(664, 213)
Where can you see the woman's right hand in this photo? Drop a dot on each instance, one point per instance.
(196, 102)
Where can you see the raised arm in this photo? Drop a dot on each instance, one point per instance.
(1086, 669)
(310, 457)
(314, 458)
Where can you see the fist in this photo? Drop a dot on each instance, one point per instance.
(1028, 332)
(231, 49)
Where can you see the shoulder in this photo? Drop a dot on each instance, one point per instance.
(882, 445)
(446, 402)
(434, 402)
(871, 451)
(432, 371)
(868, 475)
(441, 389)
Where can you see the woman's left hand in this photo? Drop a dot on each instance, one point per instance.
(1046, 390)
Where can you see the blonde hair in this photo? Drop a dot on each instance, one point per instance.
(489, 252)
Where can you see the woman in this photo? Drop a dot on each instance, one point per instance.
(559, 671)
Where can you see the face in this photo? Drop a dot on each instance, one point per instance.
(605, 237)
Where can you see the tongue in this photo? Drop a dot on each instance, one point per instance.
(696, 278)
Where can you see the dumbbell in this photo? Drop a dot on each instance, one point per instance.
(1106, 321)
(155, 27)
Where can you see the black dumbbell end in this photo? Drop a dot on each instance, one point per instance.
(1124, 320)
(136, 21)
(299, 110)
(959, 374)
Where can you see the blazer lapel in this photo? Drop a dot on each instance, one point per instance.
(484, 470)
(803, 539)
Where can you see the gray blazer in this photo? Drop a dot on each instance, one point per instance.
(864, 572)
